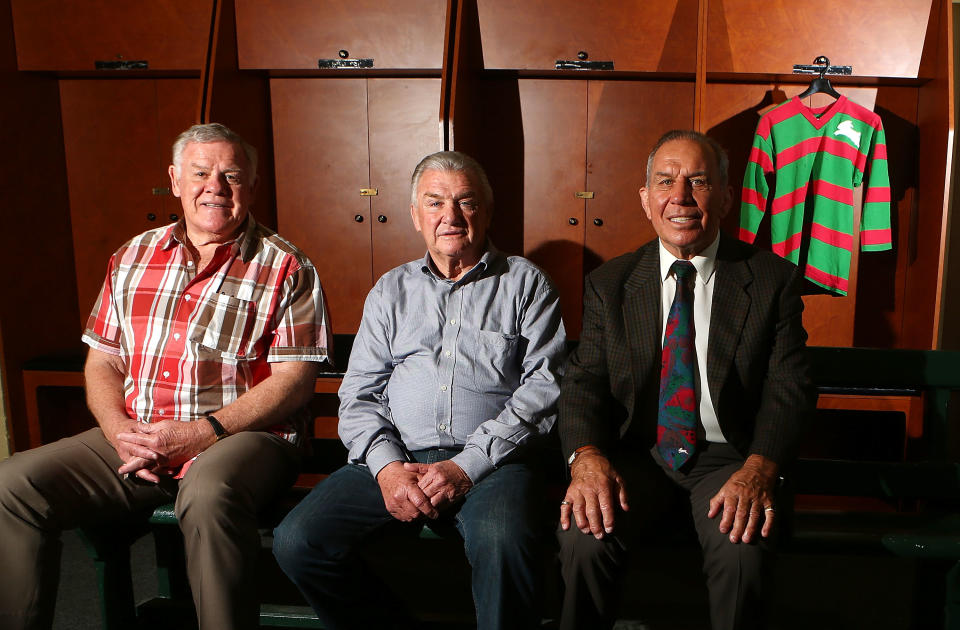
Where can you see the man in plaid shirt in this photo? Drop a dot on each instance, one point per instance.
(204, 347)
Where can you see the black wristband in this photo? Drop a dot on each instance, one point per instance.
(217, 428)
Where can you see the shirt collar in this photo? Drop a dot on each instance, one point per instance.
(177, 235)
(489, 258)
(705, 262)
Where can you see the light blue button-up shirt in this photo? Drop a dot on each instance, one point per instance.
(436, 363)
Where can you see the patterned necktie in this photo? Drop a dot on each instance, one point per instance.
(677, 416)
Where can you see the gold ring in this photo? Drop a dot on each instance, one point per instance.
(769, 508)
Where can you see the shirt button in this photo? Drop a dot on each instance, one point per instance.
(453, 321)
(443, 388)
(189, 263)
(447, 353)
(166, 374)
(176, 336)
(159, 412)
(187, 297)
(442, 427)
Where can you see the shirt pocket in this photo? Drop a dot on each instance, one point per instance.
(495, 365)
(225, 324)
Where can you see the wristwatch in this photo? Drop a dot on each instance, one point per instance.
(579, 451)
(217, 428)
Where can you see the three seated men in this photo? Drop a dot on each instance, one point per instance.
(690, 380)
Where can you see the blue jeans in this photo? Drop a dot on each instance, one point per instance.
(318, 544)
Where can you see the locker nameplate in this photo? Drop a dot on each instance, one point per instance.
(327, 64)
(579, 64)
(584, 194)
(369, 192)
(120, 65)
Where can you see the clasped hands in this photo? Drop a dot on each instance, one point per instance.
(744, 502)
(411, 490)
(157, 448)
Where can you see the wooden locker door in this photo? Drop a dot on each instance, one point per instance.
(626, 118)
(177, 105)
(554, 145)
(637, 35)
(113, 165)
(295, 34)
(321, 157)
(68, 35)
(404, 127)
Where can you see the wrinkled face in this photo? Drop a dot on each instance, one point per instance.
(684, 197)
(216, 189)
(450, 213)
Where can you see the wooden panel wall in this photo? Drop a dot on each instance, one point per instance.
(534, 35)
(879, 38)
(950, 278)
(295, 34)
(58, 35)
(38, 311)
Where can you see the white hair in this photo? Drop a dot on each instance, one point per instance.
(213, 132)
(451, 161)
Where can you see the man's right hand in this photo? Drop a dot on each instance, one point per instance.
(594, 486)
(142, 467)
(403, 497)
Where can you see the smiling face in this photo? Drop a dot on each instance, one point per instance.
(450, 213)
(684, 197)
(216, 187)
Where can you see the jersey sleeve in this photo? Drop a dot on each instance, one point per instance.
(875, 233)
(753, 198)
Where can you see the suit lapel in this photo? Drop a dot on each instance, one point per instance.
(731, 303)
(641, 311)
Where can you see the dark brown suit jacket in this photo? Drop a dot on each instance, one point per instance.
(756, 365)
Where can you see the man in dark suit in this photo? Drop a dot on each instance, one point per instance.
(747, 395)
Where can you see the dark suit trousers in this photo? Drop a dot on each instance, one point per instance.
(738, 575)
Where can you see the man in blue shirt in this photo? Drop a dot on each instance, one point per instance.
(452, 378)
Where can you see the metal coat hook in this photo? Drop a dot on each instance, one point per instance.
(825, 62)
(821, 65)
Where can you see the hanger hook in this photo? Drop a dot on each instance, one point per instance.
(821, 60)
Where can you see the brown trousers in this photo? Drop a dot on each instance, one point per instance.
(74, 482)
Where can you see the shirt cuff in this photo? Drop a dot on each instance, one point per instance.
(382, 454)
(474, 463)
(97, 342)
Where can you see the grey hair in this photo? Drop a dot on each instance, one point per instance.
(213, 132)
(723, 162)
(451, 161)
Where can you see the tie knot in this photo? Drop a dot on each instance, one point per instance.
(683, 269)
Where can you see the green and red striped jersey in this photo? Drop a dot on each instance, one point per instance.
(818, 155)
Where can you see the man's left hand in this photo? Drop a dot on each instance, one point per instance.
(173, 442)
(746, 500)
(444, 482)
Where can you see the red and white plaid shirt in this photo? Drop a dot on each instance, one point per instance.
(193, 343)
